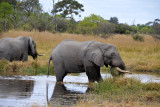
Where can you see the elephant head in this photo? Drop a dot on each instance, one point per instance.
(106, 54)
(32, 48)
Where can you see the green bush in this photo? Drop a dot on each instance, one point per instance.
(128, 32)
(138, 37)
(3, 65)
(27, 27)
(122, 28)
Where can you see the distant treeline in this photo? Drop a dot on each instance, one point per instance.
(28, 15)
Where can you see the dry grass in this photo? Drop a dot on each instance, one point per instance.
(93, 103)
(142, 56)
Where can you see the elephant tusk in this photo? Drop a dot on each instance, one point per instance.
(41, 54)
(123, 70)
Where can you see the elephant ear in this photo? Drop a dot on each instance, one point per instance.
(95, 55)
(31, 44)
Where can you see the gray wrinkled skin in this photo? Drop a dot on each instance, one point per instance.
(17, 48)
(71, 56)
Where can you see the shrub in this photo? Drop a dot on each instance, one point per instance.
(3, 65)
(122, 28)
(27, 27)
(128, 32)
(138, 37)
(104, 28)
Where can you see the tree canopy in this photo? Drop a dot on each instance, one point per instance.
(66, 8)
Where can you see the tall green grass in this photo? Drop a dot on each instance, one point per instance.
(128, 89)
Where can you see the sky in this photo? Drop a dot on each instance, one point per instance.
(127, 11)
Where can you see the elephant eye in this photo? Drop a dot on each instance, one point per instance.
(112, 54)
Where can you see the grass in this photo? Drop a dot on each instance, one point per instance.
(138, 56)
(128, 89)
(125, 92)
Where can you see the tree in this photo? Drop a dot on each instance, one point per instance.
(89, 24)
(5, 10)
(155, 27)
(12, 2)
(114, 20)
(146, 30)
(66, 8)
(30, 6)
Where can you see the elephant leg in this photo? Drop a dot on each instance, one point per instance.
(99, 77)
(24, 57)
(59, 72)
(93, 74)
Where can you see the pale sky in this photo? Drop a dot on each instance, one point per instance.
(127, 11)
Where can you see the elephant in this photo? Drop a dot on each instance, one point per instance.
(17, 48)
(71, 56)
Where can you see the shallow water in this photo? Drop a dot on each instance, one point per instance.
(40, 91)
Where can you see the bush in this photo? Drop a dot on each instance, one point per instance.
(3, 65)
(122, 28)
(27, 27)
(128, 32)
(89, 24)
(137, 37)
(104, 28)
(62, 24)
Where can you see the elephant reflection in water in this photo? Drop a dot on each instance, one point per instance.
(62, 96)
(16, 88)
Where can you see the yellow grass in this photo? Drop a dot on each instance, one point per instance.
(144, 56)
(93, 103)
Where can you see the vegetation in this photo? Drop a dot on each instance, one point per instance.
(138, 56)
(138, 37)
(125, 92)
(68, 7)
(124, 89)
(26, 18)
(28, 15)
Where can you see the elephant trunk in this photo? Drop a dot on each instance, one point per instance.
(34, 56)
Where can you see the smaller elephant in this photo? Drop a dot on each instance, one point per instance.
(71, 56)
(17, 48)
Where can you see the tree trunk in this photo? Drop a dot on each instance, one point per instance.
(15, 22)
(5, 24)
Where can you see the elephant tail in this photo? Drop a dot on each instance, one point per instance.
(50, 58)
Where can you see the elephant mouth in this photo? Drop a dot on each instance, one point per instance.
(34, 57)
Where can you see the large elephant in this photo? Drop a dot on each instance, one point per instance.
(71, 56)
(17, 48)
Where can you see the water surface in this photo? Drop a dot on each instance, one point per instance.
(41, 91)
